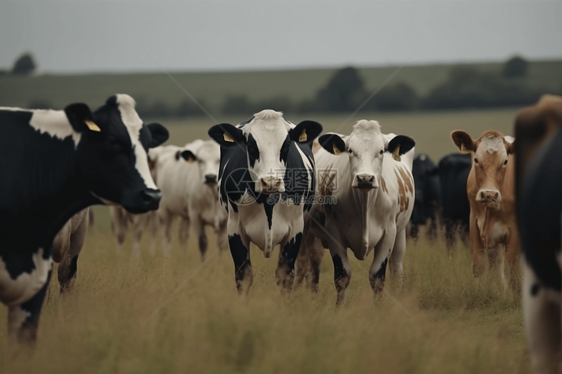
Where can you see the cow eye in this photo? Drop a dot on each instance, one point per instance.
(475, 160)
(382, 151)
(349, 150)
(505, 162)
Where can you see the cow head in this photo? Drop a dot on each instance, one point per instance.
(207, 156)
(365, 148)
(489, 161)
(112, 153)
(267, 139)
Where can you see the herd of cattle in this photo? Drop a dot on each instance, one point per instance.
(270, 182)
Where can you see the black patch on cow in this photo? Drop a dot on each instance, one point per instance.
(284, 154)
(244, 123)
(535, 288)
(381, 273)
(290, 251)
(339, 270)
(428, 190)
(28, 329)
(540, 207)
(253, 150)
(240, 257)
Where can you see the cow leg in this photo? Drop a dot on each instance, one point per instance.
(285, 273)
(477, 248)
(222, 238)
(542, 323)
(138, 227)
(496, 258)
(342, 270)
(199, 228)
(383, 251)
(309, 261)
(450, 231)
(240, 251)
(166, 223)
(23, 320)
(119, 224)
(184, 230)
(414, 231)
(512, 258)
(397, 257)
(69, 264)
(153, 224)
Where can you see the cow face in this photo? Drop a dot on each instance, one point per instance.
(489, 162)
(207, 157)
(365, 148)
(267, 139)
(112, 153)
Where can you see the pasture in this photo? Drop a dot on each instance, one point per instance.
(440, 321)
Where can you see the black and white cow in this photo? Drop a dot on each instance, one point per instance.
(538, 152)
(266, 180)
(427, 206)
(453, 176)
(54, 164)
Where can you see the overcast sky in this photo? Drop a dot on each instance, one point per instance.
(104, 36)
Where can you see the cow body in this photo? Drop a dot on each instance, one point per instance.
(491, 193)
(57, 163)
(67, 246)
(427, 206)
(372, 193)
(539, 185)
(266, 179)
(121, 220)
(453, 175)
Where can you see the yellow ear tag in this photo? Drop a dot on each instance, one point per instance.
(396, 153)
(92, 126)
(336, 149)
(303, 137)
(190, 159)
(227, 138)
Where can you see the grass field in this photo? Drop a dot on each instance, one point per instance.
(213, 87)
(440, 321)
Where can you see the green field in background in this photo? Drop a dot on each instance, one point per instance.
(213, 87)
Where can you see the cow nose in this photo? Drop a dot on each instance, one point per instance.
(272, 185)
(151, 197)
(489, 196)
(365, 180)
(210, 178)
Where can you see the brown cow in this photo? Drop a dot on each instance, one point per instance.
(491, 193)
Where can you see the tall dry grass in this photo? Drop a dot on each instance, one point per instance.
(450, 323)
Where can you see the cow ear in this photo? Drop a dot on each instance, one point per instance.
(159, 134)
(509, 146)
(332, 143)
(227, 135)
(399, 145)
(187, 155)
(305, 132)
(80, 117)
(463, 141)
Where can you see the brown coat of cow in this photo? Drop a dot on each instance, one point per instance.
(491, 193)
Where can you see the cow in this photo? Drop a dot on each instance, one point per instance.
(491, 193)
(538, 153)
(453, 175)
(368, 176)
(67, 246)
(56, 163)
(427, 206)
(266, 181)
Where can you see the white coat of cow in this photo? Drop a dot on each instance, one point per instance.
(367, 176)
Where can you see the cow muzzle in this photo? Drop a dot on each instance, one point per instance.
(365, 181)
(210, 179)
(142, 201)
(270, 185)
(490, 198)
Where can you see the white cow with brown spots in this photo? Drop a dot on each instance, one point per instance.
(368, 177)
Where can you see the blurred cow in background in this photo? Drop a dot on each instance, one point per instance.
(188, 179)
(427, 206)
(453, 176)
(539, 190)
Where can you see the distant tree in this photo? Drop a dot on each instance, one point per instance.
(397, 97)
(343, 91)
(40, 104)
(24, 65)
(515, 67)
(3, 72)
(278, 103)
(237, 104)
